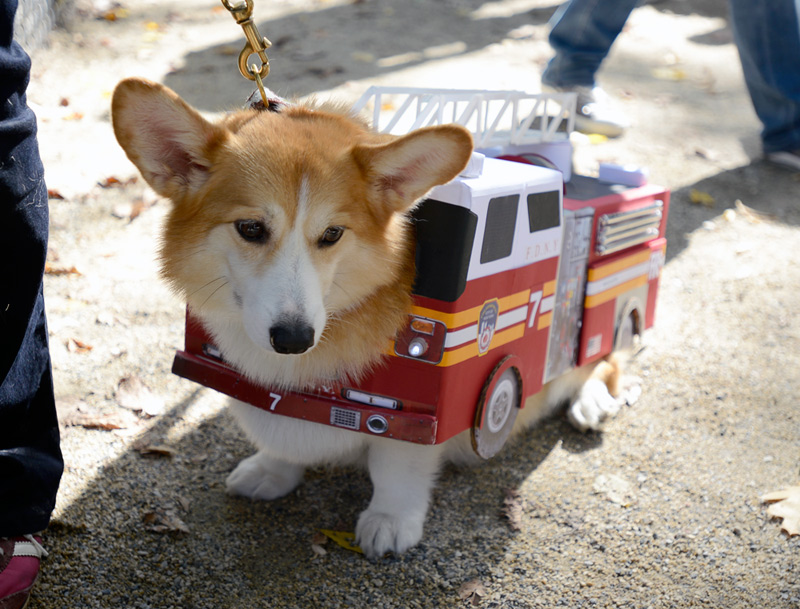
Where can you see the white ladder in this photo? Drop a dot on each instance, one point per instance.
(495, 118)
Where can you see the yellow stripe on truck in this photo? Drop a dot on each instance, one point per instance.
(598, 299)
(601, 272)
(470, 316)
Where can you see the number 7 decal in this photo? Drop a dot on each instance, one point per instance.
(536, 298)
(275, 399)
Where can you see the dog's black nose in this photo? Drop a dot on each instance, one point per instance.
(291, 338)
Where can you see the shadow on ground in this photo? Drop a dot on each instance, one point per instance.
(235, 548)
(769, 191)
(317, 50)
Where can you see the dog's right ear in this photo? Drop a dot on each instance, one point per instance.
(163, 136)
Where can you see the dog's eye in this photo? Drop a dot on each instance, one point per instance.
(331, 235)
(252, 230)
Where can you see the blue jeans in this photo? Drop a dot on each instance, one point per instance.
(30, 457)
(767, 35)
(581, 34)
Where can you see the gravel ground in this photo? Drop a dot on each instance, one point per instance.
(661, 510)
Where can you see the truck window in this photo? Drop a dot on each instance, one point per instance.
(543, 210)
(501, 218)
(445, 234)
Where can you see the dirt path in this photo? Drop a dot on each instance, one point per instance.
(718, 425)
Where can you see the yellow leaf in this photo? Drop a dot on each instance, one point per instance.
(346, 540)
(698, 197)
(669, 74)
(785, 505)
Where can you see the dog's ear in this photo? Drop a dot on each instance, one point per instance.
(163, 136)
(401, 172)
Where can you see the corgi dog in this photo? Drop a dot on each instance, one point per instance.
(288, 236)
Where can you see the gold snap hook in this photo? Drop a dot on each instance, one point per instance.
(256, 43)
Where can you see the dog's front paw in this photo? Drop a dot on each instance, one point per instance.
(593, 406)
(378, 533)
(262, 477)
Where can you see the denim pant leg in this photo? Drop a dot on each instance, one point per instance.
(30, 457)
(581, 34)
(767, 34)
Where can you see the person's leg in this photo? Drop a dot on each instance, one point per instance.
(30, 457)
(582, 32)
(767, 34)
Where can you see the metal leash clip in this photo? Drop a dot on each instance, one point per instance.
(256, 44)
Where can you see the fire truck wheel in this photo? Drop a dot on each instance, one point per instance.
(627, 332)
(497, 410)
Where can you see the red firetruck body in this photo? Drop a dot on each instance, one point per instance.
(520, 278)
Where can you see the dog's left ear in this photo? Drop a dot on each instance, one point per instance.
(163, 136)
(401, 172)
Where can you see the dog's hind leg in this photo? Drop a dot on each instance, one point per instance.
(403, 476)
(596, 399)
(261, 476)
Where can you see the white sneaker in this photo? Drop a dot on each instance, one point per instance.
(594, 111)
(786, 158)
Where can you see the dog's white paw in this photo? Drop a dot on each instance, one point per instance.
(378, 533)
(262, 477)
(630, 390)
(593, 406)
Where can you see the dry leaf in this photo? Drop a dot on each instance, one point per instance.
(159, 450)
(343, 539)
(513, 509)
(76, 346)
(77, 413)
(669, 73)
(318, 550)
(785, 505)
(54, 194)
(49, 269)
(616, 489)
(132, 393)
(472, 592)
(164, 520)
(698, 197)
(750, 214)
(114, 182)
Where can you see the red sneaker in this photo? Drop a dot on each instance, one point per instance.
(19, 569)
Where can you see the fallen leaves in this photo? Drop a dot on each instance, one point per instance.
(158, 450)
(134, 394)
(49, 269)
(698, 197)
(77, 413)
(513, 509)
(115, 182)
(615, 488)
(785, 505)
(166, 519)
(343, 539)
(472, 592)
(77, 346)
(317, 543)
